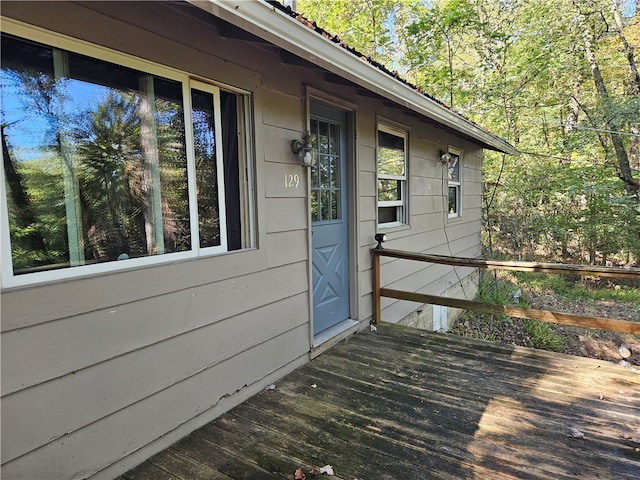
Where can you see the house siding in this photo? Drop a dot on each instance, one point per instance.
(100, 372)
(429, 229)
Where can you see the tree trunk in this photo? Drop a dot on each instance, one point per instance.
(634, 147)
(635, 76)
(624, 169)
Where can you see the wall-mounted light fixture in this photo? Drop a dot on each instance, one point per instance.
(380, 238)
(445, 157)
(303, 149)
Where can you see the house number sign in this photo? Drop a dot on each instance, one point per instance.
(291, 180)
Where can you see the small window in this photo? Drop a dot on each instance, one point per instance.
(106, 164)
(455, 194)
(392, 176)
(326, 191)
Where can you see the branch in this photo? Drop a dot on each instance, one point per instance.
(635, 90)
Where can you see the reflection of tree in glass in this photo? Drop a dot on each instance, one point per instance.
(390, 161)
(388, 190)
(116, 186)
(110, 178)
(24, 221)
(94, 157)
(173, 174)
(35, 217)
(206, 174)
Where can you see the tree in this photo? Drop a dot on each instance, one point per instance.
(558, 79)
(107, 142)
(588, 21)
(24, 217)
(368, 25)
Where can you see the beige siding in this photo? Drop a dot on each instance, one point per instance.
(287, 247)
(95, 369)
(74, 455)
(277, 147)
(431, 230)
(100, 372)
(63, 347)
(62, 300)
(127, 379)
(282, 110)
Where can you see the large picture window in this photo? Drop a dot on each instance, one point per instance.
(392, 176)
(107, 163)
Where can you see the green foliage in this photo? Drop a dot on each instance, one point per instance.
(580, 289)
(42, 179)
(503, 291)
(485, 325)
(493, 290)
(521, 69)
(543, 336)
(541, 283)
(367, 25)
(571, 212)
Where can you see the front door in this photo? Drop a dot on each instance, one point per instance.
(329, 217)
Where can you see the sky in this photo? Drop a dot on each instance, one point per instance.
(628, 8)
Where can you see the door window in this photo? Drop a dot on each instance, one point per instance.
(325, 172)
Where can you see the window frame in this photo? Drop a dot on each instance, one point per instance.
(188, 83)
(192, 176)
(455, 184)
(401, 205)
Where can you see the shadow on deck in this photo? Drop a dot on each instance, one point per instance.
(402, 403)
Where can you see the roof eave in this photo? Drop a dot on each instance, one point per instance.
(272, 25)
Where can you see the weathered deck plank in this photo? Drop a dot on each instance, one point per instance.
(407, 404)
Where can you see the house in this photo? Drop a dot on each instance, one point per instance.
(166, 250)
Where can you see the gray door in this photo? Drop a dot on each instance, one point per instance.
(329, 217)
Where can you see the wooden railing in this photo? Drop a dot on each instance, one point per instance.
(512, 311)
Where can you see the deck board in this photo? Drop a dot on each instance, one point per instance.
(401, 403)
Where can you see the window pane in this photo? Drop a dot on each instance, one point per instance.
(234, 110)
(334, 139)
(315, 170)
(98, 164)
(33, 170)
(315, 214)
(335, 205)
(325, 200)
(202, 115)
(389, 190)
(387, 214)
(325, 173)
(391, 157)
(453, 200)
(324, 166)
(95, 161)
(335, 172)
(454, 168)
(323, 137)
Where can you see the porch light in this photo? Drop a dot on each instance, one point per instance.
(445, 157)
(380, 238)
(304, 150)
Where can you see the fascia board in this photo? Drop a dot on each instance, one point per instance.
(268, 23)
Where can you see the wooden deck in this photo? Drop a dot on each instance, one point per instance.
(402, 403)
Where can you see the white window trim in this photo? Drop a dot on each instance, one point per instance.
(191, 169)
(458, 213)
(401, 205)
(56, 40)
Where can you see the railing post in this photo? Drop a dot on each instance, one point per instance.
(377, 312)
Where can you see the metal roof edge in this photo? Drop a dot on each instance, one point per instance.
(269, 23)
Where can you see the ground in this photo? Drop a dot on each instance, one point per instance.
(568, 339)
